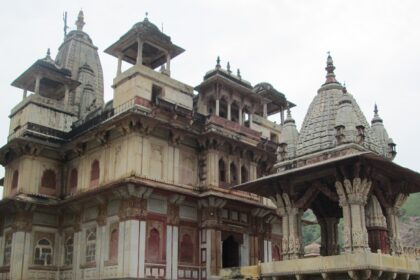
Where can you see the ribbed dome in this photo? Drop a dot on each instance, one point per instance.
(318, 130)
(78, 54)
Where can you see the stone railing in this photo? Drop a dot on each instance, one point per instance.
(234, 126)
(412, 252)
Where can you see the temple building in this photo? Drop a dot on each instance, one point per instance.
(171, 181)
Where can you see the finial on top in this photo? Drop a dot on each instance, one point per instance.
(48, 53)
(376, 117)
(218, 62)
(80, 21)
(228, 68)
(330, 70)
(146, 18)
(238, 73)
(65, 24)
(344, 88)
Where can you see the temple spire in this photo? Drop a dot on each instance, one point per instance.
(330, 70)
(80, 21)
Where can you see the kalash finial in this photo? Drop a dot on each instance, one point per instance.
(376, 117)
(80, 21)
(48, 53)
(344, 88)
(238, 73)
(218, 62)
(146, 17)
(330, 70)
(228, 68)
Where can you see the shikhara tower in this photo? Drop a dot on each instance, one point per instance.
(141, 187)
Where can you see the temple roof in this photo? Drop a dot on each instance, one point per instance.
(384, 169)
(318, 128)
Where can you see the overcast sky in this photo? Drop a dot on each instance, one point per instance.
(375, 46)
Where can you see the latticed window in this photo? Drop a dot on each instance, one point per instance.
(90, 245)
(43, 252)
(68, 251)
(7, 250)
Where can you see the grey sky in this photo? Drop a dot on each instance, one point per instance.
(375, 46)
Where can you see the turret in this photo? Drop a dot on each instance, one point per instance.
(49, 107)
(146, 49)
(386, 144)
(348, 128)
(288, 139)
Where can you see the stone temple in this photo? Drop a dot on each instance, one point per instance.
(170, 181)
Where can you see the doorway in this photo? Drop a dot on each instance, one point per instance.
(230, 252)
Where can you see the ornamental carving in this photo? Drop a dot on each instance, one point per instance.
(133, 208)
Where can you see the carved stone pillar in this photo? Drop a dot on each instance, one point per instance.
(393, 224)
(292, 229)
(329, 235)
(217, 106)
(352, 198)
(376, 226)
(229, 114)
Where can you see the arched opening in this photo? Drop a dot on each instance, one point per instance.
(234, 112)
(275, 252)
(15, 180)
(244, 174)
(186, 253)
(68, 251)
(73, 180)
(230, 252)
(233, 174)
(211, 107)
(94, 174)
(222, 172)
(43, 252)
(91, 245)
(246, 117)
(153, 245)
(223, 108)
(113, 245)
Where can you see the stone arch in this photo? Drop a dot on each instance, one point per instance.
(153, 245)
(186, 252)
